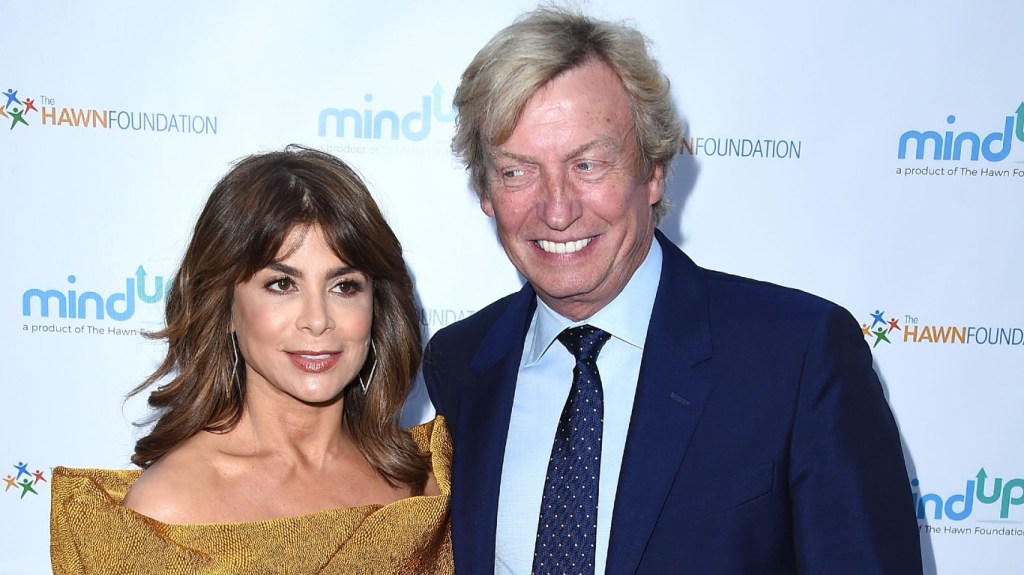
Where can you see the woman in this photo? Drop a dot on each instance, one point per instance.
(292, 343)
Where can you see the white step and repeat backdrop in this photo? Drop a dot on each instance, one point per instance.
(871, 152)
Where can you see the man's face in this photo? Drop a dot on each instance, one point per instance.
(572, 210)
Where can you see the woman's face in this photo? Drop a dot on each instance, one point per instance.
(303, 322)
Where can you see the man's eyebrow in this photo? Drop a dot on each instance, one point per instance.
(606, 142)
(499, 152)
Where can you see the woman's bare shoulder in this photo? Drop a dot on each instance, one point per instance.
(171, 490)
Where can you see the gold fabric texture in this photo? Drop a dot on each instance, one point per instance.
(91, 532)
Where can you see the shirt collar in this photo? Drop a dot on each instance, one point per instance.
(626, 317)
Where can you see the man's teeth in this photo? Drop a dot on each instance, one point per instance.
(563, 247)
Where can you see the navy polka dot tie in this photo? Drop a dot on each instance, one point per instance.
(567, 531)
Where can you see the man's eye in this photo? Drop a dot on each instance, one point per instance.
(513, 173)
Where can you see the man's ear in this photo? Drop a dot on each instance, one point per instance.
(656, 185)
(486, 205)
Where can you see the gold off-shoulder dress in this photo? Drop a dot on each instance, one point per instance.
(91, 532)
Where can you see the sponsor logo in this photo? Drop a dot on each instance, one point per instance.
(964, 145)
(73, 303)
(44, 111)
(369, 123)
(880, 328)
(983, 499)
(23, 482)
(770, 148)
(435, 317)
(904, 328)
(16, 109)
(971, 148)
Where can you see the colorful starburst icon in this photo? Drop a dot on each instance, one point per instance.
(880, 327)
(15, 109)
(22, 481)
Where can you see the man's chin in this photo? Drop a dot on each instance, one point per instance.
(559, 291)
(555, 295)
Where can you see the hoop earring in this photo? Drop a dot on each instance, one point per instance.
(364, 385)
(233, 381)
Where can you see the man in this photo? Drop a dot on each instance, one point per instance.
(723, 445)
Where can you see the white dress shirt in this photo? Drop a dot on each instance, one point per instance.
(545, 376)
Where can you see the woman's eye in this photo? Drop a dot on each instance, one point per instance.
(281, 285)
(349, 287)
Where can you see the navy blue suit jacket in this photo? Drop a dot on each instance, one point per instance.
(760, 440)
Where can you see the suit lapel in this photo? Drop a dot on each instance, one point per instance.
(480, 448)
(670, 398)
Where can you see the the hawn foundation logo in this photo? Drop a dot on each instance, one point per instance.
(887, 328)
(741, 147)
(17, 110)
(880, 328)
(440, 317)
(22, 481)
(991, 501)
(978, 154)
(43, 111)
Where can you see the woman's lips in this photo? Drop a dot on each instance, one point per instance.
(314, 362)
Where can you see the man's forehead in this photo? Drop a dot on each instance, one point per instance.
(592, 86)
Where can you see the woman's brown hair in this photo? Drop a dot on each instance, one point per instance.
(239, 232)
